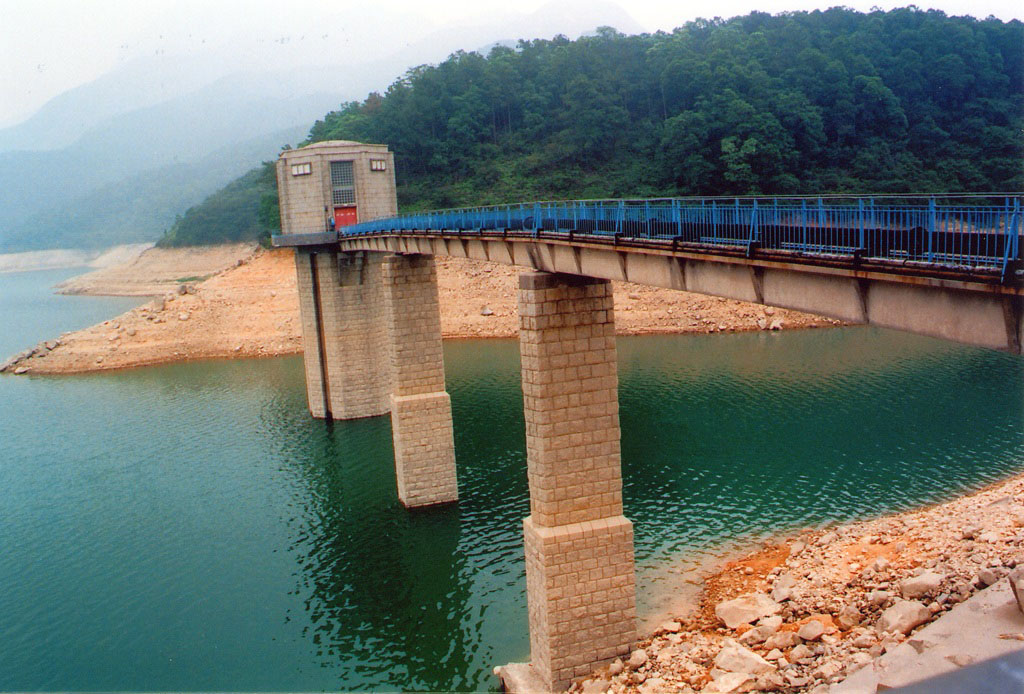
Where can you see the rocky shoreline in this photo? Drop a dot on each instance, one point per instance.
(803, 614)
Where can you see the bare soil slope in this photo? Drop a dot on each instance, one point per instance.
(250, 309)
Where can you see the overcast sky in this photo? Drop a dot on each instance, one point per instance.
(50, 46)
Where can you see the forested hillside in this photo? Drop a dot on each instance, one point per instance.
(900, 101)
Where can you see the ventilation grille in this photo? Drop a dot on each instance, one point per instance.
(343, 184)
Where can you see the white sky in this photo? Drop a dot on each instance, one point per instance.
(50, 46)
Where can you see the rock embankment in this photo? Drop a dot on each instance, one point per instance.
(804, 614)
(251, 309)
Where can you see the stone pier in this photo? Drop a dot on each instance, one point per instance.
(421, 410)
(579, 546)
(345, 340)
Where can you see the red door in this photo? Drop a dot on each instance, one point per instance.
(344, 216)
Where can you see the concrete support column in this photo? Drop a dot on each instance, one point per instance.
(579, 547)
(312, 336)
(344, 328)
(421, 410)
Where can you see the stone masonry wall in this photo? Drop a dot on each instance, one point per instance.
(355, 334)
(579, 546)
(421, 414)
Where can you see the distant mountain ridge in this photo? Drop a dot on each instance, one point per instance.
(144, 133)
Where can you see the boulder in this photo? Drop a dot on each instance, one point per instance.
(879, 597)
(731, 682)
(811, 631)
(595, 686)
(752, 637)
(782, 589)
(800, 652)
(849, 617)
(916, 586)
(616, 667)
(903, 616)
(736, 658)
(782, 640)
(988, 577)
(637, 658)
(746, 609)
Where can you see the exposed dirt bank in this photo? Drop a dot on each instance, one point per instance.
(250, 309)
(69, 258)
(804, 613)
(158, 270)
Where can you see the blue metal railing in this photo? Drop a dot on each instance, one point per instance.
(962, 232)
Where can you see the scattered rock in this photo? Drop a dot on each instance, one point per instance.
(183, 316)
(800, 652)
(782, 640)
(879, 597)
(782, 589)
(21, 370)
(486, 311)
(925, 583)
(811, 631)
(670, 627)
(746, 609)
(595, 686)
(182, 289)
(988, 577)
(849, 617)
(736, 658)
(903, 617)
(130, 332)
(616, 667)
(731, 682)
(637, 658)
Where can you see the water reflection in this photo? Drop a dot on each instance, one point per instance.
(194, 521)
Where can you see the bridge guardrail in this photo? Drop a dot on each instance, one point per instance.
(959, 232)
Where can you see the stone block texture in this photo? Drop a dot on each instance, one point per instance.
(421, 413)
(305, 200)
(353, 325)
(580, 596)
(579, 546)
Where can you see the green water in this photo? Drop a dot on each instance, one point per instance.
(190, 527)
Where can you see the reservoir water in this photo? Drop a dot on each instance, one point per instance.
(190, 527)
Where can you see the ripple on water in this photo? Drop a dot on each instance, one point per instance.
(195, 521)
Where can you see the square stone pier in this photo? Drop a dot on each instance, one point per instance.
(371, 330)
(579, 547)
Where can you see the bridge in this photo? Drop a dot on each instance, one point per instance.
(946, 266)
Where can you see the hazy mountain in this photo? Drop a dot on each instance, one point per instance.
(167, 114)
(140, 207)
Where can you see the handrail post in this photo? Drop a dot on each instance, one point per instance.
(931, 228)
(860, 214)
